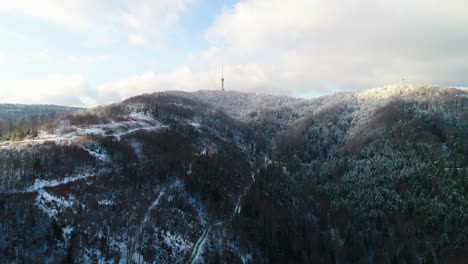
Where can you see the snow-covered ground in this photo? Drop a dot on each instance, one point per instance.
(178, 244)
(41, 184)
(65, 134)
(51, 204)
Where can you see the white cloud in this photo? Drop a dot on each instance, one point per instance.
(181, 79)
(253, 25)
(317, 47)
(148, 19)
(54, 89)
(136, 39)
(271, 46)
(241, 78)
(68, 13)
(325, 45)
(146, 15)
(83, 59)
(103, 21)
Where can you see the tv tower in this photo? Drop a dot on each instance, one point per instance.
(222, 77)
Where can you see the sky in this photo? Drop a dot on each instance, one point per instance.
(91, 52)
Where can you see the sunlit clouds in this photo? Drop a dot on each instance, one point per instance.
(92, 52)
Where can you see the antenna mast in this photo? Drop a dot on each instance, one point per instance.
(222, 77)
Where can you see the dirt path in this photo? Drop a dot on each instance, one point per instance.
(201, 241)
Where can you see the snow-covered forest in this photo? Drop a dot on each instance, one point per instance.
(375, 176)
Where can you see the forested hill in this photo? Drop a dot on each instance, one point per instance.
(14, 118)
(375, 176)
(17, 112)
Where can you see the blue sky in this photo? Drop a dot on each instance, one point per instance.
(55, 49)
(88, 52)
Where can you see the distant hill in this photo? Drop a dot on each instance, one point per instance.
(17, 112)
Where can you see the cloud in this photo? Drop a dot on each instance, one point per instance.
(136, 39)
(147, 20)
(253, 25)
(291, 47)
(54, 89)
(103, 21)
(180, 79)
(67, 13)
(83, 59)
(328, 45)
(242, 78)
(317, 47)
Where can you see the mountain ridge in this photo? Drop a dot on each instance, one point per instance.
(211, 176)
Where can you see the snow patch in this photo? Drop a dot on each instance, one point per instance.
(65, 134)
(40, 184)
(95, 256)
(203, 152)
(195, 125)
(121, 247)
(177, 243)
(106, 202)
(50, 204)
(152, 206)
(67, 231)
(98, 153)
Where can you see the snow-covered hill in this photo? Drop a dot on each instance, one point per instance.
(209, 177)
